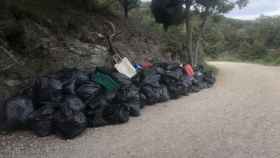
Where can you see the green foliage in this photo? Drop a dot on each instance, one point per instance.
(173, 41)
(51, 5)
(101, 5)
(216, 6)
(128, 5)
(133, 4)
(172, 12)
(168, 12)
(144, 16)
(175, 12)
(245, 40)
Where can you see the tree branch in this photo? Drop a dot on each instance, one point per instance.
(7, 67)
(10, 55)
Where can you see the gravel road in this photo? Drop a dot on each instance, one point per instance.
(238, 118)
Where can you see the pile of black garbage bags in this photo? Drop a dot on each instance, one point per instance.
(69, 101)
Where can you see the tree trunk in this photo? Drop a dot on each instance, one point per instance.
(124, 4)
(126, 11)
(125, 8)
(165, 27)
(188, 56)
(198, 42)
(196, 52)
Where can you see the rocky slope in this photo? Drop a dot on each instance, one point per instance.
(33, 43)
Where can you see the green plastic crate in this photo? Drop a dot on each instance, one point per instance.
(106, 81)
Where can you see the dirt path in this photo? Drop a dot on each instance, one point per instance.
(238, 118)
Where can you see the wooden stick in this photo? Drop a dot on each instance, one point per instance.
(10, 55)
(7, 67)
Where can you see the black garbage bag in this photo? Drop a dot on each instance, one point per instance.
(130, 97)
(199, 76)
(81, 77)
(154, 94)
(176, 88)
(96, 107)
(67, 75)
(116, 114)
(124, 80)
(199, 80)
(72, 103)
(203, 78)
(72, 78)
(143, 100)
(176, 81)
(69, 87)
(209, 78)
(159, 70)
(137, 79)
(162, 65)
(177, 73)
(17, 111)
(95, 116)
(195, 88)
(153, 79)
(148, 76)
(47, 90)
(187, 81)
(2, 112)
(69, 124)
(41, 121)
(88, 91)
(172, 66)
(199, 68)
(149, 95)
(165, 96)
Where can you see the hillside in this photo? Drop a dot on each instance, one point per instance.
(36, 40)
(252, 40)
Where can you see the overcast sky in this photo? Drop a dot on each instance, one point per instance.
(255, 9)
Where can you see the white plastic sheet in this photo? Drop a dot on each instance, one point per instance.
(125, 67)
